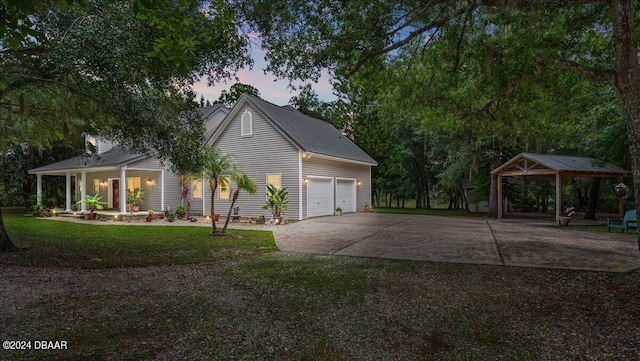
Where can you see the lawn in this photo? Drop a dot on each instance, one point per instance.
(174, 293)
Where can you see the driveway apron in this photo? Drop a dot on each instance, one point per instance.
(523, 243)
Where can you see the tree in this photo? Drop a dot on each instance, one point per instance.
(121, 70)
(593, 39)
(228, 98)
(243, 183)
(217, 168)
(308, 103)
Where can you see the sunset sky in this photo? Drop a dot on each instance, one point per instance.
(271, 90)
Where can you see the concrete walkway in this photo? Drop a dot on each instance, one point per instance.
(508, 242)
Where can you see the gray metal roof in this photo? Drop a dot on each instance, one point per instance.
(309, 134)
(545, 164)
(212, 124)
(114, 157)
(207, 111)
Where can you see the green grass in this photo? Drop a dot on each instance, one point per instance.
(431, 212)
(179, 294)
(62, 244)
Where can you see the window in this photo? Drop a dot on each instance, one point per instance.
(224, 189)
(196, 188)
(246, 123)
(133, 183)
(96, 185)
(275, 179)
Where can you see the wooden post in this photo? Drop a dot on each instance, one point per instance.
(620, 200)
(558, 197)
(500, 210)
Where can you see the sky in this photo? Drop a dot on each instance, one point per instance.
(271, 90)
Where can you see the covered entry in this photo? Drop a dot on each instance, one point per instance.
(549, 165)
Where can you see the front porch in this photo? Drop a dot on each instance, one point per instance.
(112, 175)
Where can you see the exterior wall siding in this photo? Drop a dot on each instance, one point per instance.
(316, 166)
(265, 151)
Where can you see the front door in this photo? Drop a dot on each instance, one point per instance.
(115, 198)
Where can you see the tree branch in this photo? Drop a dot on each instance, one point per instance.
(511, 87)
(33, 50)
(64, 85)
(410, 37)
(591, 73)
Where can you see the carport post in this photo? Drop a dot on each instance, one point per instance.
(500, 205)
(558, 197)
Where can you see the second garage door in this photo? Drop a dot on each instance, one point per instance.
(319, 196)
(346, 194)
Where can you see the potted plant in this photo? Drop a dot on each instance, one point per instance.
(564, 220)
(180, 211)
(367, 209)
(260, 220)
(277, 200)
(150, 215)
(93, 203)
(134, 197)
(171, 217)
(339, 210)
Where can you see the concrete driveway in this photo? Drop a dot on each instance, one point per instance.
(507, 242)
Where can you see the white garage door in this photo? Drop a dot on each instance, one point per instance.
(346, 195)
(319, 197)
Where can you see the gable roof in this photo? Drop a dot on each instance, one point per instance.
(207, 111)
(534, 164)
(308, 134)
(211, 123)
(115, 157)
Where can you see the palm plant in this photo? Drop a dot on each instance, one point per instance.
(93, 202)
(217, 168)
(243, 182)
(277, 200)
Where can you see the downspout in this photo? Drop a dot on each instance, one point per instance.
(300, 185)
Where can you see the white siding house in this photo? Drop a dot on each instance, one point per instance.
(320, 167)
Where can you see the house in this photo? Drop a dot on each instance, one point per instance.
(321, 168)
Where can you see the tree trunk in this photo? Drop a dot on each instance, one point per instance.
(213, 198)
(594, 194)
(5, 242)
(233, 203)
(627, 81)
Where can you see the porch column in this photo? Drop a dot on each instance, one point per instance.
(123, 189)
(83, 191)
(39, 189)
(558, 197)
(68, 192)
(162, 190)
(204, 197)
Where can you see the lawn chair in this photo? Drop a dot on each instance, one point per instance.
(629, 221)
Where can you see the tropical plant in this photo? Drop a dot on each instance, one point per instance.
(180, 211)
(217, 168)
(243, 182)
(135, 196)
(93, 202)
(277, 200)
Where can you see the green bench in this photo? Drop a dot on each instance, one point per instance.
(629, 221)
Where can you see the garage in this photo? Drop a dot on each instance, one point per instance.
(319, 196)
(346, 194)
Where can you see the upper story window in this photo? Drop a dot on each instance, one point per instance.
(246, 123)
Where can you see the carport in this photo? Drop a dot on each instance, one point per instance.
(549, 165)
